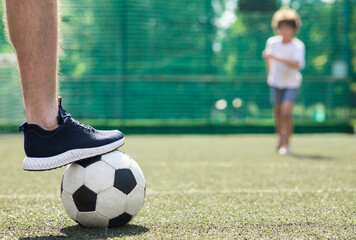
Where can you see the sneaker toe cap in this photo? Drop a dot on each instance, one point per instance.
(115, 134)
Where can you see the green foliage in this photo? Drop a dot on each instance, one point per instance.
(158, 37)
(352, 37)
(5, 47)
(174, 60)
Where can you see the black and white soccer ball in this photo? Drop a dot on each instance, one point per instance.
(104, 191)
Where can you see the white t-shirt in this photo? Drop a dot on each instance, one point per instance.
(280, 75)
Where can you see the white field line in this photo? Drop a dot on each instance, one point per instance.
(209, 164)
(29, 196)
(198, 191)
(257, 191)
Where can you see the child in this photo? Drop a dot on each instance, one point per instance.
(284, 55)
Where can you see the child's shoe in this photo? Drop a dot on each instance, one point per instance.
(284, 151)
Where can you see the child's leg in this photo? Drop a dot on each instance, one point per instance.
(276, 97)
(286, 123)
(277, 122)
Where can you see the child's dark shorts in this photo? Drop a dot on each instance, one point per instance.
(278, 96)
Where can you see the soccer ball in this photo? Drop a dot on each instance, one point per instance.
(104, 191)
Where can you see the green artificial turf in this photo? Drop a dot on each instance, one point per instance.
(202, 187)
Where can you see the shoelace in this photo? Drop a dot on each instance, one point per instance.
(90, 128)
(65, 115)
(62, 114)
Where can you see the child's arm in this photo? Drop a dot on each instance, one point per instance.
(269, 64)
(266, 55)
(289, 63)
(269, 60)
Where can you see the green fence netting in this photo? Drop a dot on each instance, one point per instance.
(191, 63)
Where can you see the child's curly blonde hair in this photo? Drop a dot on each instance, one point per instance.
(287, 16)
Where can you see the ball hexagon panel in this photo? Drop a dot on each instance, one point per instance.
(137, 172)
(117, 159)
(85, 199)
(92, 220)
(62, 186)
(111, 203)
(69, 205)
(135, 200)
(88, 161)
(120, 221)
(99, 176)
(73, 178)
(124, 180)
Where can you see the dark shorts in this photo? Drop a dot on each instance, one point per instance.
(278, 96)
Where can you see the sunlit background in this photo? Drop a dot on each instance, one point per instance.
(192, 65)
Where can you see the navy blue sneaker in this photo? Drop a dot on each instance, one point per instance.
(70, 142)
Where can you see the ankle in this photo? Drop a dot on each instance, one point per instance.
(284, 146)
(46, 121)
(47, 125)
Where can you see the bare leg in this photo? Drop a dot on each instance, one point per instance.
(33, 31)
(277, 122)
(286, 122)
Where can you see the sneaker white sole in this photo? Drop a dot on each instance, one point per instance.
(60, 160)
